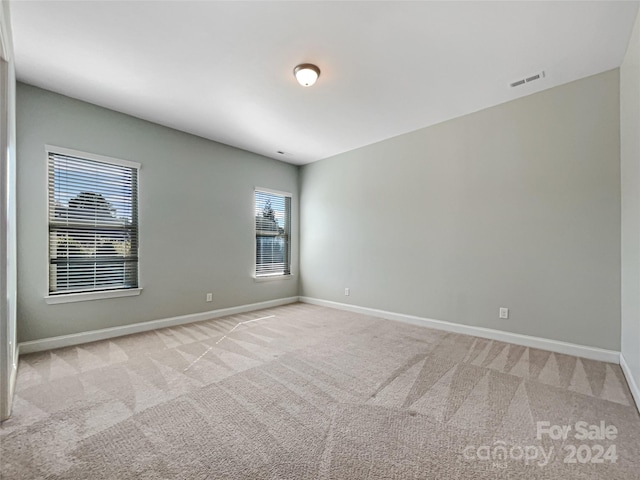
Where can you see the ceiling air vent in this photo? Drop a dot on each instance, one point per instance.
(532, 78)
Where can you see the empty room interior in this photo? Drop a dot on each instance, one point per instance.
(319, 240)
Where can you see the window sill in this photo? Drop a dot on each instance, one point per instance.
(271, 278)
(84, 296)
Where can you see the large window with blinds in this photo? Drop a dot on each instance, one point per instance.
(273, 229)
(93, 223)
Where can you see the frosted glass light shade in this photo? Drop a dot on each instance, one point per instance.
(306, 74)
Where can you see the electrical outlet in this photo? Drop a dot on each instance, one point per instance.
(504, 312)
(347, 292)
(209, 297)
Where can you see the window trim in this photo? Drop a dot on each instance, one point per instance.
(272, 277)
(99, 294)
(89, 156)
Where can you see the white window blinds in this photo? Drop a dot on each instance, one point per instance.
(273, 228)
(93, 224)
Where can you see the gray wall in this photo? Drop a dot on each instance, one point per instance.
(630, 162)
(196, 216)
(515, 206)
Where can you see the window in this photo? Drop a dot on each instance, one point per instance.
(93, 223)
(273, 228)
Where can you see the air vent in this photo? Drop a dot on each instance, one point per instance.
(532, 78)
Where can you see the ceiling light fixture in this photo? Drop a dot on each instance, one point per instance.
(306, 74)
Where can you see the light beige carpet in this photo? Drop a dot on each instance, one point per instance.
(306, 392)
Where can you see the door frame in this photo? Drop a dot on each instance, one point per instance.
(8, 278)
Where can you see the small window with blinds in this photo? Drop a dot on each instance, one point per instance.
(93, 223)
(273, 227)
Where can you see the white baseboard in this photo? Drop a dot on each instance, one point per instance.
(14, 373)
(631, 381)
(14, 376)
(6, 413)
(105, 333)
(592, 353)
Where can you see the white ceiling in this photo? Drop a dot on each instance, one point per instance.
(224, 70)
